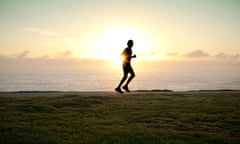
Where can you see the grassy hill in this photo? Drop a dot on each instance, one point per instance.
(168, 118)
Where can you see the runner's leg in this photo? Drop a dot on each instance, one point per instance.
(131, 71)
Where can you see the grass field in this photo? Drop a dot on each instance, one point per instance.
(138, 118)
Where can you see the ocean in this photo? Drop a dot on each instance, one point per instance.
(78, 81)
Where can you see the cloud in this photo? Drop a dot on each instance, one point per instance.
(197, 54)
(45, 57)
(27, 55)
(147, 53)
(236, 56)
(40, 31)
(65, 54)
(65, 62)
(221, 56)
(23, 54)
(172, 54)
(224, 56)
(23, 63)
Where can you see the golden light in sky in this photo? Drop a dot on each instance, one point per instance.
(112, 41)
(100, 29)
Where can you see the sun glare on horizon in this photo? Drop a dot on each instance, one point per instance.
(111, 43)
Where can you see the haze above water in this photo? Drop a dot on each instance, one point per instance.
(104, 76)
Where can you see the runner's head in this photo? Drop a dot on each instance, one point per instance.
(130, 43)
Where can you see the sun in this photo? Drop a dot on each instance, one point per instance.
(110, 44)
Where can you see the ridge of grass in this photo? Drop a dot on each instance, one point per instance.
(168, 118)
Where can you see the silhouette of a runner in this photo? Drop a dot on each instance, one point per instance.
(127, 68)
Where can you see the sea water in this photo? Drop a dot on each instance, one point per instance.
(94, 81)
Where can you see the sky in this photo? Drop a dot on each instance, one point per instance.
(93, 30)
